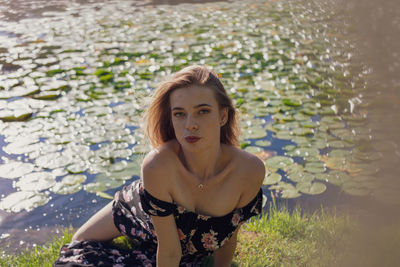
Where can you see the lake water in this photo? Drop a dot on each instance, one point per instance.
(76, 76)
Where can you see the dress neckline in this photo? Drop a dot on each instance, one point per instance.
(182, 210)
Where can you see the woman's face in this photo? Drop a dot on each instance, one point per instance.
(196, 117)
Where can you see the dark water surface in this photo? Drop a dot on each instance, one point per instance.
(56, 44)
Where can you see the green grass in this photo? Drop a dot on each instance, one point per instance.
(281, 239)
(294, 239)
(41, 255)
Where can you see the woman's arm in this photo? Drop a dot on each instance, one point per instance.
(169, 250)
(100, 227)
(157, 175)
(223, 256)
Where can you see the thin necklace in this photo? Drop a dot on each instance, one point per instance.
(200, 186)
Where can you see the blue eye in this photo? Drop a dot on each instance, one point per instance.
(204, 111)
(178, 114)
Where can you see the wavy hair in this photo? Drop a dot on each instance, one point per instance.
(159, 128)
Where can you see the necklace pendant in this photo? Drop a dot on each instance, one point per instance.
(200, 186)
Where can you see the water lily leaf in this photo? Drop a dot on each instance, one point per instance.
(104, 195)
(334, 177)
(121, 153)
(301, 177)
(278, 162)
(368, 156)
(339, 153)
(47, 95)
(20, 91)
(73, 179)
(315, 167)
(338, 144)
(289, 147)
(303, 152)
(53, 160)
(64, 189)
(95, 187)
(284, 135)
(286, 190)
(303, 131)
(15, 169)
(272, 178)
(102, 183)
(291, 102)
(263, 143)
(23, 200)
(339, 163)
(253, 133)
(118, 166)
(77, 167)
(311, 188)
(36, 181)
(253, 149)
(21, 147)
(15, 115)
(355, 189)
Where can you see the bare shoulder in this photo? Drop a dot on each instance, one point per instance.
(158, 170)
(251, 173)
(250, 165)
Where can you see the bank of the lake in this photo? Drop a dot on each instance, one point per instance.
(283, 238)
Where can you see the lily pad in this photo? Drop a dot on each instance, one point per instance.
(355, 188)
(315, 167)
(64, 189)
(23, 200)
(286, 190)
(36, 181)
(303, 152)
(272, 178)
(253, 149)
(15, 169)
(311, 188)
(301, 177)
(77, 167)
(334, 177)
(73, 179)
(264, 143)
(278, 162)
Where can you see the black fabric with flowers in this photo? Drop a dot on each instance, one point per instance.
(199, 235)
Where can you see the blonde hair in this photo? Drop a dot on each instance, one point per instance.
(159, 128)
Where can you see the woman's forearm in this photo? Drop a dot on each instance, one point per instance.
(168, 259)
(224, 255)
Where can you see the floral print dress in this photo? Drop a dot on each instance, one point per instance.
(199, 235)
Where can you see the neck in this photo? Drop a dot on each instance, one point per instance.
(203, 164)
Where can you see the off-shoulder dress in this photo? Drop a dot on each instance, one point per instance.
(200, 235)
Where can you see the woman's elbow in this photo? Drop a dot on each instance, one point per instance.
(79, 236)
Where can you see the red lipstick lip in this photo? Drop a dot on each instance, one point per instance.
(192, 139)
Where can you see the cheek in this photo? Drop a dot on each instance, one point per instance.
(176, 124)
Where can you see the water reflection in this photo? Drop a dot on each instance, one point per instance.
(289, 72)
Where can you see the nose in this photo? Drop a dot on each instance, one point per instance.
(191, 124)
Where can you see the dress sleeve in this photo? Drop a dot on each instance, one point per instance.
(254, 207)
(154, 206)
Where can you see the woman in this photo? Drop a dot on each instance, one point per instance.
(196, 189)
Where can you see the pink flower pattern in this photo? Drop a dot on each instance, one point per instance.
(236, 219)
(209, 240)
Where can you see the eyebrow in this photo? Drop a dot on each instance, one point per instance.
(197, 106)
